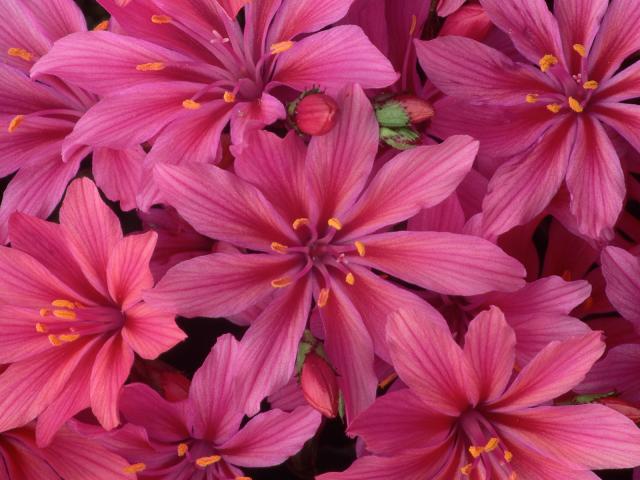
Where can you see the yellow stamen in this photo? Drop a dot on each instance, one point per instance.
(63, 304)
(335, 223)
(134, 468)
(20, 53)
(575, 105)
(582, 51)
(281, 47)
(53, 340)
(491, 445)
(161, 19)
(65, 314)
(323, 297)
(590, 85)
(466, 470)
(278, 247)
(475, 451)
(151, 67)
(508, 456)
(15, 123)
(229, 97)
(414, 23)
(554, 107)
(44, 312)
(387, 381)
(69, 337)
(206, 461)
(299, 222)
(360, 248)
(183, 448)
(41, 328)
(531, 98)
(242, 478)
(103, 25)
(281, 282)
(350, 279)
(547, 62)
(191, 104)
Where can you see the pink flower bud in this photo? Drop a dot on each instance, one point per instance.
(319, 385)
(416, 108)
(315, 114)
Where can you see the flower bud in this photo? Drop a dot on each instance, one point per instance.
(403, 111)
(314, 114)
(319, 385)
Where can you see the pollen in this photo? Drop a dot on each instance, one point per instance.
(44, 312)
(161, 19)
(508, 456)
(151, 67)
(69, 337)
(360, 248)
(134, 468)
(531, 98)
(191, 104)
(491, 445)
(206, 461)
(323, 297)
(335, 223)
(183, 448)
(101, 26)
(15, 123)
(229, 97)
(590, 85)
(281, 282)
(53, 340)
(63, 304)
(65, 314)
(547, 62)
(580, 48)
(350, 279)
(299, 222)
(575, 105)
(387, 381)
(281, 47)
(41, 328)
(278, 247)
(554, 107)
(20, 53)
(475, 451)
(466, 470)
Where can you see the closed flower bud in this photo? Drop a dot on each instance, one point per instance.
(314, 114)
(319, 385)
(403, 111)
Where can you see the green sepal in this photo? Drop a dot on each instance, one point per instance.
(341, 406)
(392, 114)
(303, 350)
(592, 397)
(402, 138)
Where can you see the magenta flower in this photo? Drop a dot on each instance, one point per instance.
(192, 69)
(72, 314)
(547, 121)
(201, 437)
(38, 117)
(307, 213)
(69, 456)
(464, 417)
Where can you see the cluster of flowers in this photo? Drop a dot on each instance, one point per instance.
(421, 215)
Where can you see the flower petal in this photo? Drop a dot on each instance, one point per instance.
(150, 332)
(21, 32)
(118, 173)
(621, 270)
(624, 118)
(58, 18)
(579, 22)
(618, 372)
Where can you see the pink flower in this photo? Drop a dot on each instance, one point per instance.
(37, 117)
(548, 121)
(192, 69)
(69, 456)
(464, 417)
(306, 214)
(72, 315)
(202, 435)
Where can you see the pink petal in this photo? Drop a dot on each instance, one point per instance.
(490, 347)
(258, 17)
(219, 284)
(150, 332)
(618, 371)
(447, 7)
(622, 86)
(58, 18)
(467, 69)
(232, 7)
(19, 340)
(624, 118)
(621, 270)
(270, 438)
(350, 350)
(118, 173)
(595, 180)
(19, 461)
(446, 263)
(253, 116)
(217, 409)
(21, 32)
(339, 162)
(447, 216)
(522, 188)
(333, 58)
(418, 178)
(110, 371)
(270, 345)
(555, 370)
(21, 94)
(92, 228)
(244, 217)
(436, 370)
